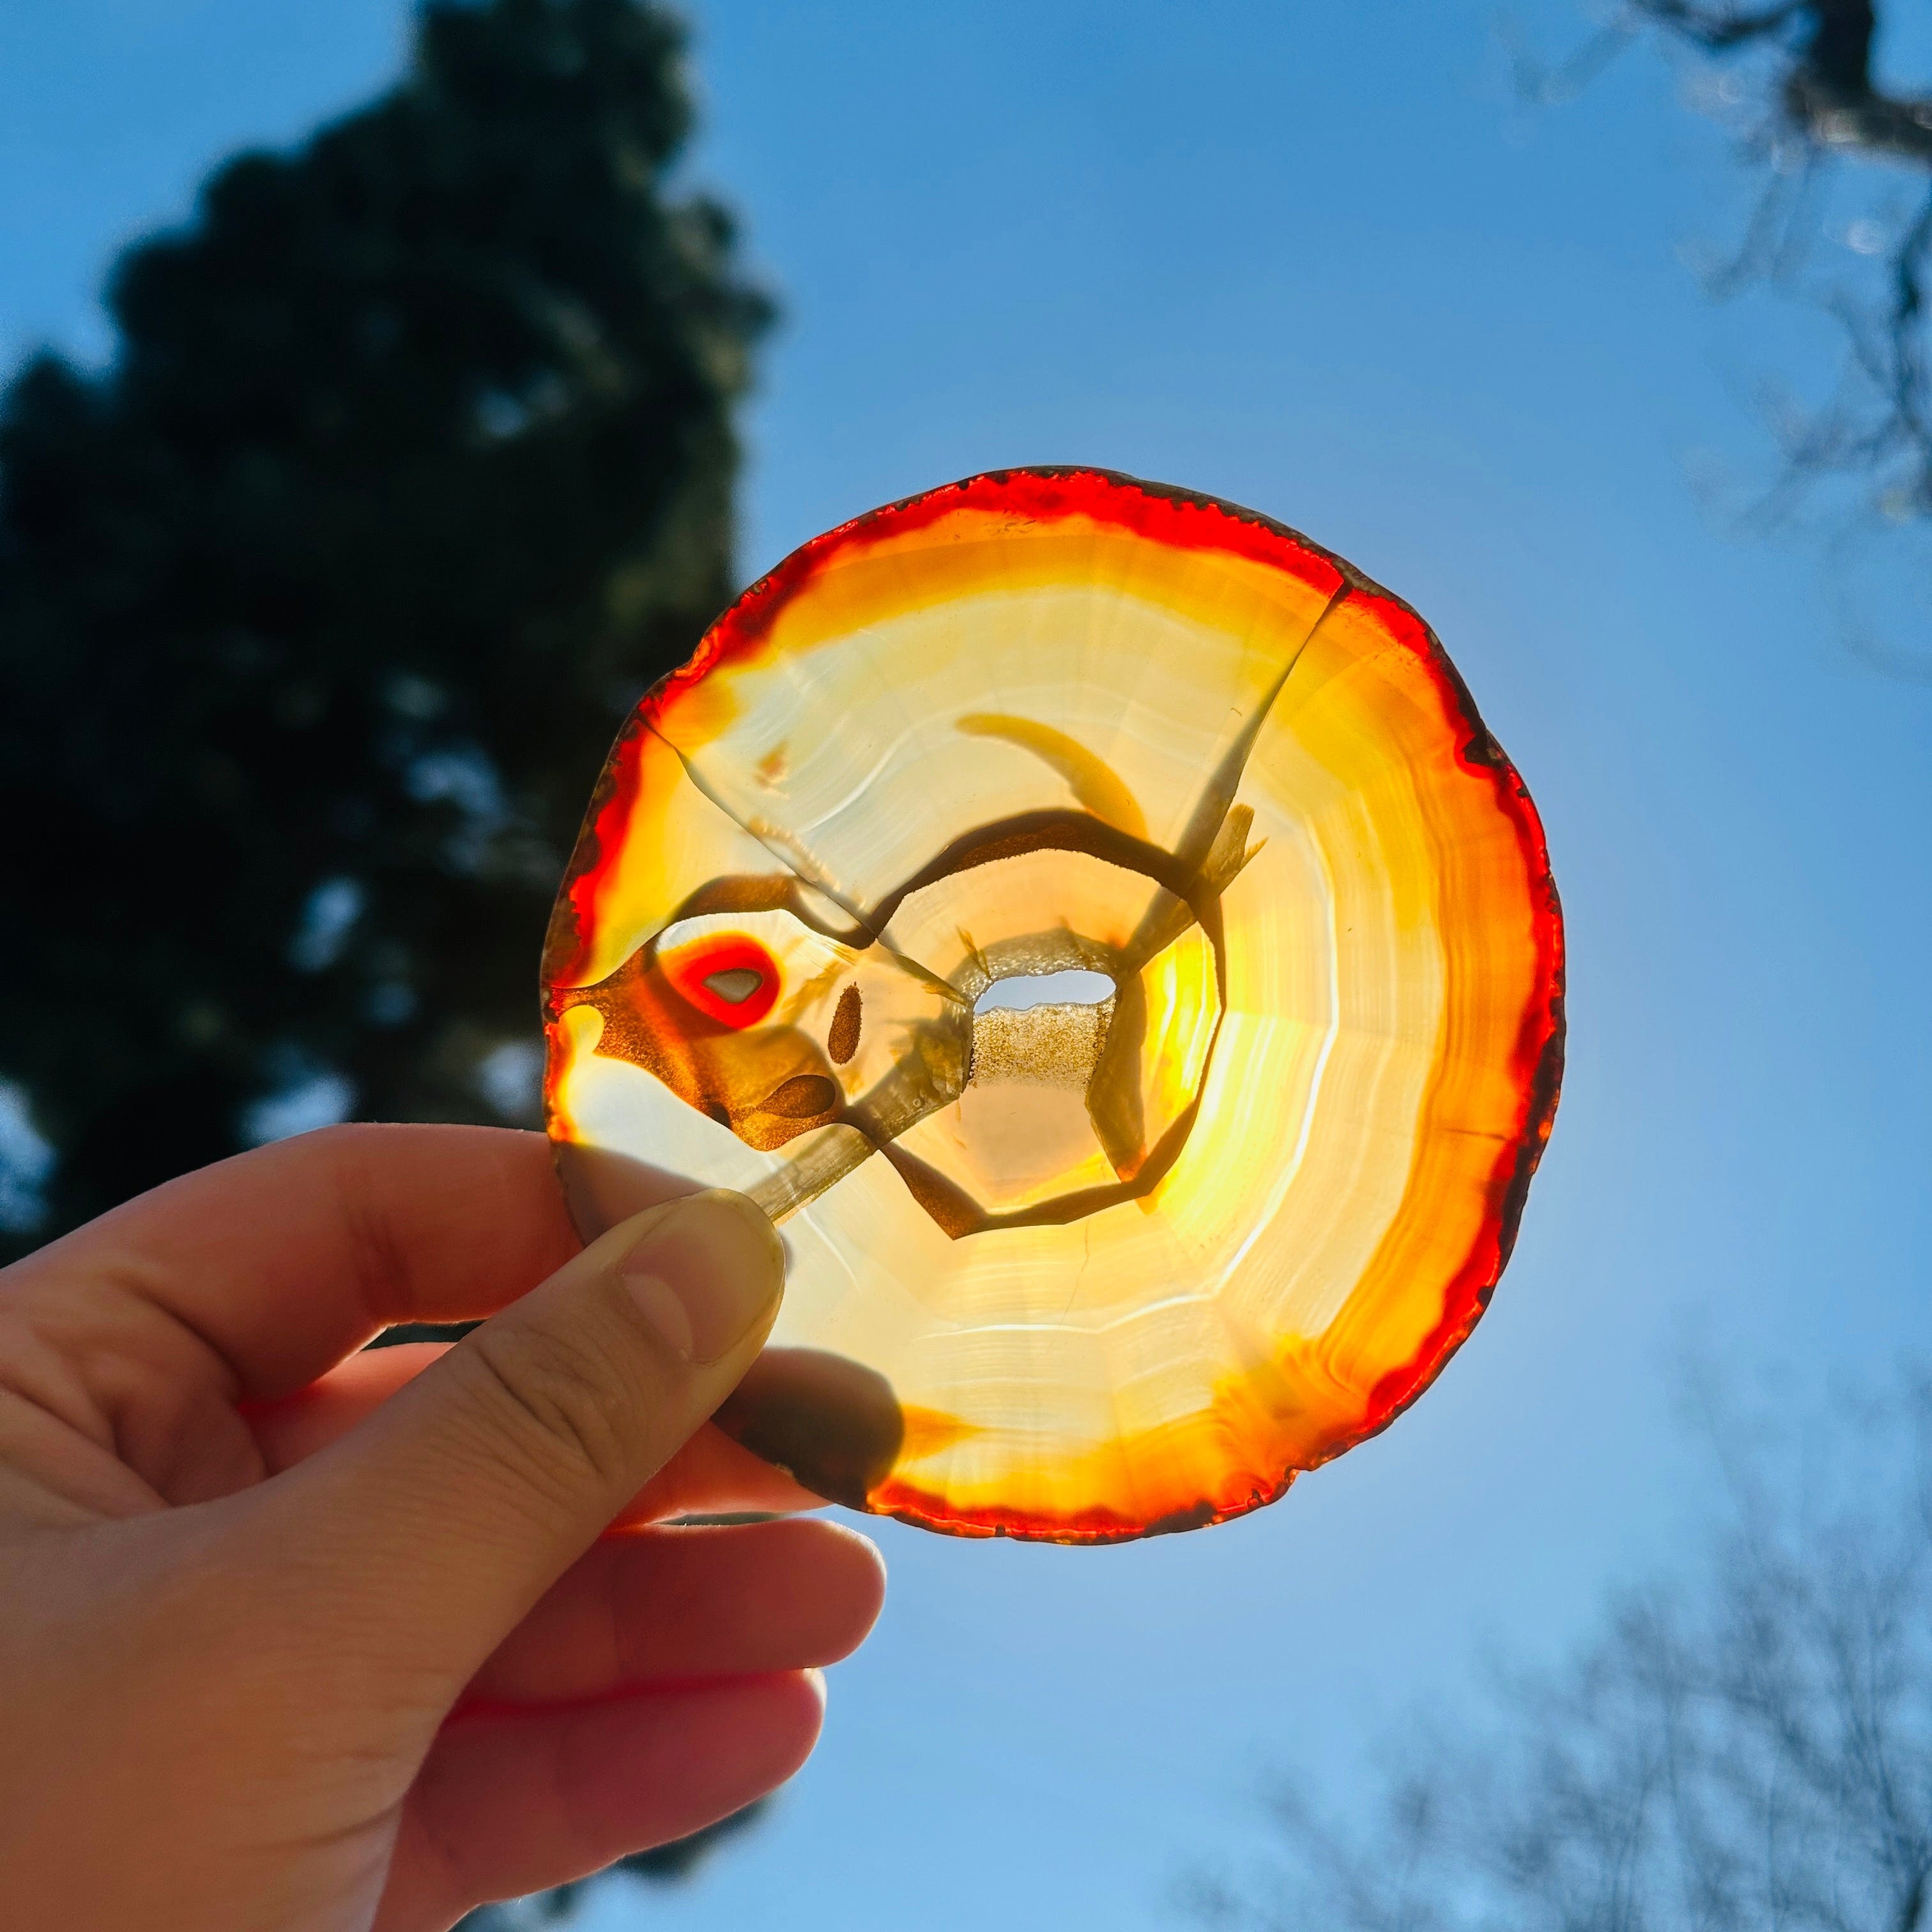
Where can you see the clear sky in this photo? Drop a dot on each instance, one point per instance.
(1313, 258)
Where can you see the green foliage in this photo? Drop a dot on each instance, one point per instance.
(320, 606)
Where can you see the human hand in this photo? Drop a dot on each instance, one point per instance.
(304, 1639)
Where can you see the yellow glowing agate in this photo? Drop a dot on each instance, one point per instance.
(1070, 1268)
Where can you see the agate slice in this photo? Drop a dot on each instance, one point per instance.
(1094, 922)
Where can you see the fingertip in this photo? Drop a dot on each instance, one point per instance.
(740, 1229)
(743, 1237)
(860, 1570)
(742, 1739)
(796, 1719)
(705, 1272)
(754, 1225)
(511, 1802)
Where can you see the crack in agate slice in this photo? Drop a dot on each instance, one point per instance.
(1094, 922)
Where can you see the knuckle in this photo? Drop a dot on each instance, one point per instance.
(557, 1401)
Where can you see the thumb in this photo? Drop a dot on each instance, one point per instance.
(458, 1503)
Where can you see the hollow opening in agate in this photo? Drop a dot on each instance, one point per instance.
(1019, 991)
(1041, 1029)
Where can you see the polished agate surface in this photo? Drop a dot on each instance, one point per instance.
(1094, 922)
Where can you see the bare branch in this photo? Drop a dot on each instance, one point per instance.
(1753, 1749)
(1802, 92)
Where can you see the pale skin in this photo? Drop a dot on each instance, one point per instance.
(295, 1638)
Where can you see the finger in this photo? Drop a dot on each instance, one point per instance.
(285, 1259)
(511, 1804)
(683, 1603)
(463, 1498)
(298, 1425)
(711, 1475)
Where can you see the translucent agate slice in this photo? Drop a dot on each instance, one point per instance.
(1094, 921)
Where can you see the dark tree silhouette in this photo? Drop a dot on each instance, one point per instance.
(1752, 1750)
(320, 606)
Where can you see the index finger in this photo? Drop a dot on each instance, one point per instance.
(287, 1258)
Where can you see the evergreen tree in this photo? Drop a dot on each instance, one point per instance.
(320, 606)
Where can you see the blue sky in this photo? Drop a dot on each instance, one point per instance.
(1315, 258)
